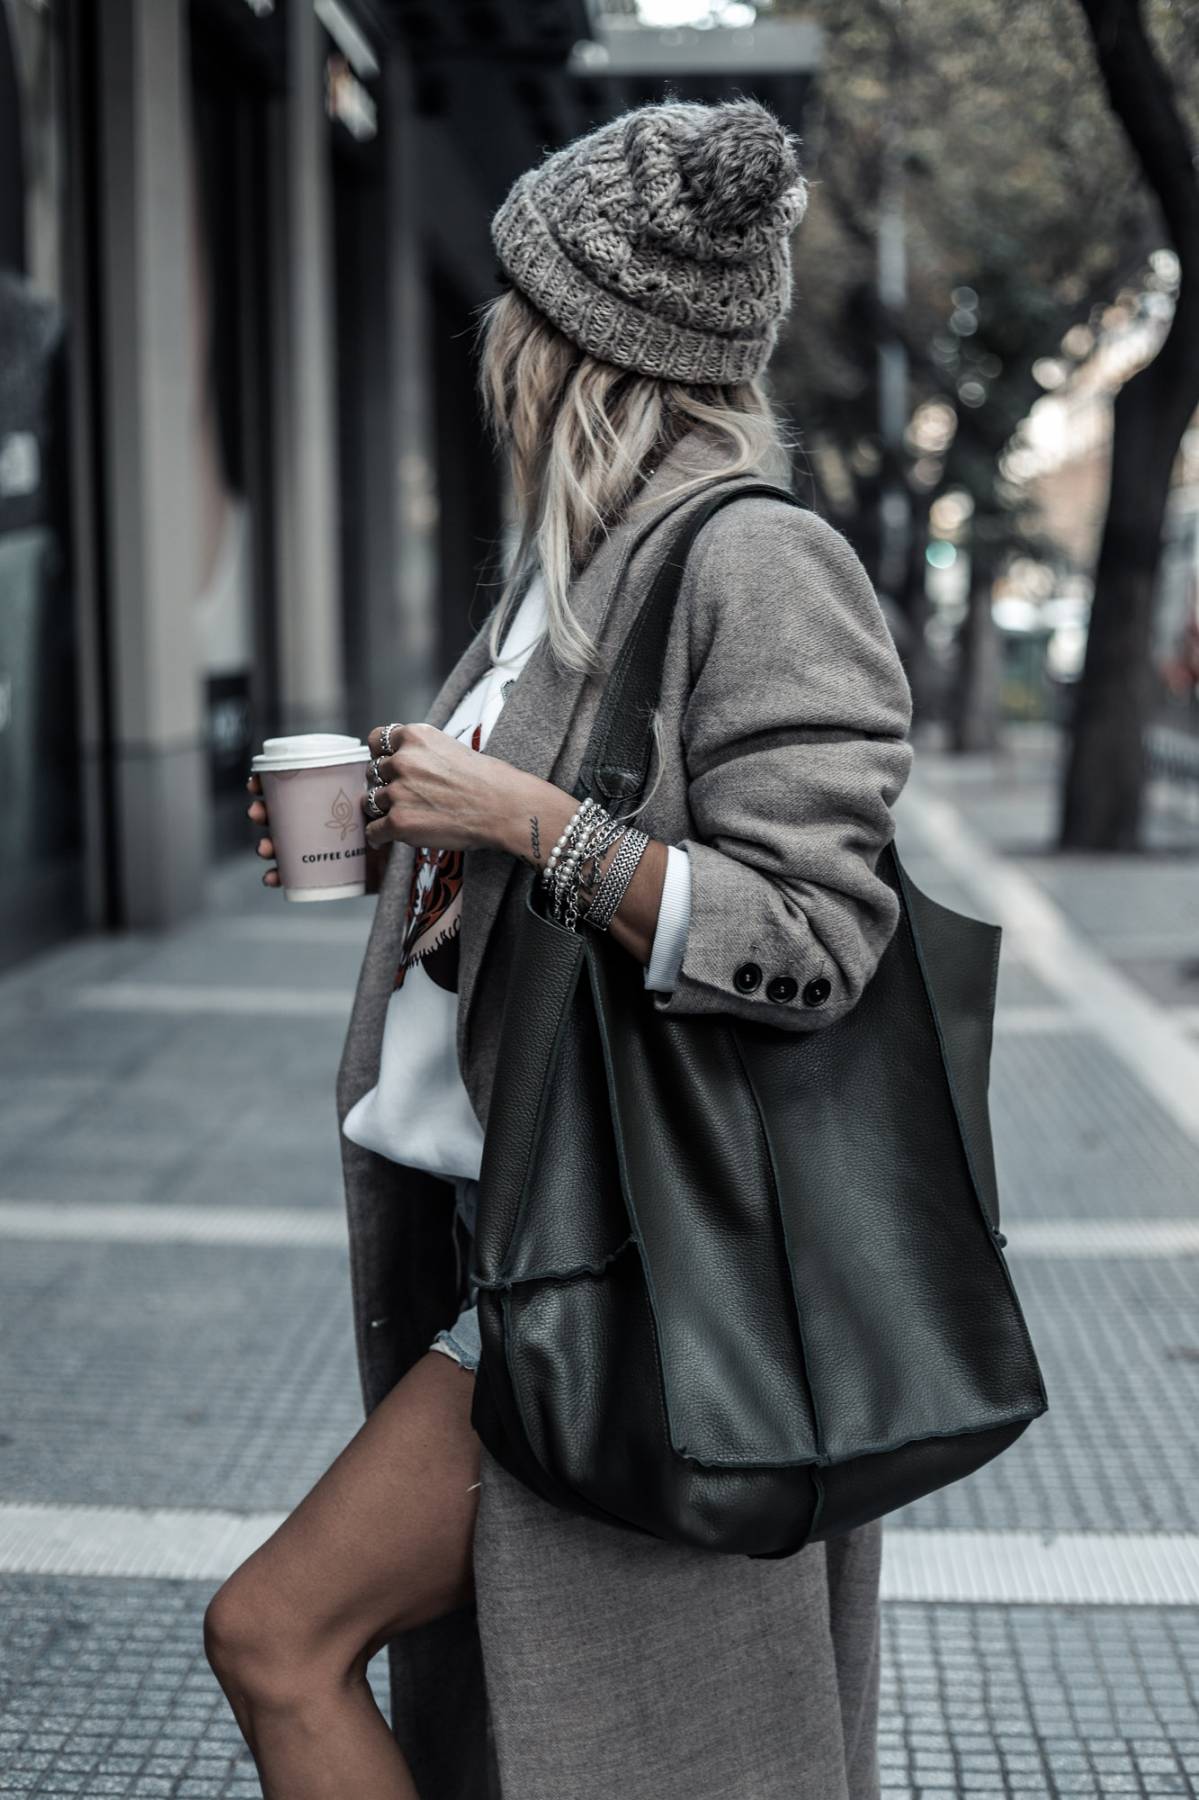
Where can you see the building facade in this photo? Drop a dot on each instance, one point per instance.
(244, 484)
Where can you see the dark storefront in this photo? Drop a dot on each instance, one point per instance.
(237, 77)
(41, 841)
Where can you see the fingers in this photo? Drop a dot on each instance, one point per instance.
(376, 800)
(266, 851)
(256, 812)
(375, 743)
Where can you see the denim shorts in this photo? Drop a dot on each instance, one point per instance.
(461, 1341)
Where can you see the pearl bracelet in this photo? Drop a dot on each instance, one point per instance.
(572, 825)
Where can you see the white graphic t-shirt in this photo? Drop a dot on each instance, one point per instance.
(419, 1112)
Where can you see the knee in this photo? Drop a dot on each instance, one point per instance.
(258, 1651)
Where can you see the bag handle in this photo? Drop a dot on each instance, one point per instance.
(615, 764)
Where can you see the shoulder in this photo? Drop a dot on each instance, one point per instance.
(775, 567)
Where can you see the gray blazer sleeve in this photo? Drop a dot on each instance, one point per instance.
(795, 746)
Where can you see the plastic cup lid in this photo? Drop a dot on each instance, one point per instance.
(309, 749)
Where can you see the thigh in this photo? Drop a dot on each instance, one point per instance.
(383, 1542)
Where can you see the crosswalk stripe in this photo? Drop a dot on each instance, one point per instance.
(1024, 1568)
(1013, 1568)
(310, 1227)
(291, 1227)
(184, 999)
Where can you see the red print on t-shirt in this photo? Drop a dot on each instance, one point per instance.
(434, 913)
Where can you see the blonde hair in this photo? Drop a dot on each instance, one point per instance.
(580, 436)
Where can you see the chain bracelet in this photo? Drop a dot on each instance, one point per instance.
(598, 845)
(620, 873)
(599, 840)
(566, 873)
(568, 878)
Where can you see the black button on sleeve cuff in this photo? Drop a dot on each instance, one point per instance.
(747, 978)
(782, 988)
(818, 991)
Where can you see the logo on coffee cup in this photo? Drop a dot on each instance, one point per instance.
(343, 816)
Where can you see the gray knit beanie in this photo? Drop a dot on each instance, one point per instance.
(660, 241)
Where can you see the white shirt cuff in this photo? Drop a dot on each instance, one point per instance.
(674, 916)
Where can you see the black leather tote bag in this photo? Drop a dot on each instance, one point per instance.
(741, 1287)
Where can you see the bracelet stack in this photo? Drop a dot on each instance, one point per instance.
(569, 876)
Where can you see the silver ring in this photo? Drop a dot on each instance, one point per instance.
(373, 809)
(373, 777)
(385, 737)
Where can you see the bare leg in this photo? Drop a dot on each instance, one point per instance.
(381, 1545)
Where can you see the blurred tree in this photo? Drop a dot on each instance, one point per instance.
(1024, 215)
(1105, 779)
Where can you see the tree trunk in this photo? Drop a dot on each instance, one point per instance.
(1105, 775)
(975, 716)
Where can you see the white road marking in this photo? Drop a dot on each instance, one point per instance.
(265, 1227)
(1146, 1037)
(169, 1544)
(1025, 1021)
(1026, 1568)
(1010, 1568)
(179, 997)
(320, 1228)
(1071, 1239)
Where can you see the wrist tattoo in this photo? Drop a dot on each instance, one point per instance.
(535, 839)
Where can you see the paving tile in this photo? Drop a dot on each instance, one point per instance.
(1077, 1137)
(168, 1375)
(1055, 1660)
(119, 1668)
(86, 1653)
(1118, 1450)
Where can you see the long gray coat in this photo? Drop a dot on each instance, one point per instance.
(614, 1665)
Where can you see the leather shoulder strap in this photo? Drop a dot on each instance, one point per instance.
(615, 766)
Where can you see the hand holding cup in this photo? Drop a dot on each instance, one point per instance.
(426, 787)
(257, 812)
(310, 786)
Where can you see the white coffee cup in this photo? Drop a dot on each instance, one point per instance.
(313, 787)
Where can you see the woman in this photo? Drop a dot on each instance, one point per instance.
(647, 268)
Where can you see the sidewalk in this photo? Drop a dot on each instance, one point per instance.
(176, 1365)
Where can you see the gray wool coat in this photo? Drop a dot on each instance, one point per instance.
(598, 1663)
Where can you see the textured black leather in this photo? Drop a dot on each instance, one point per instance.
(742, 1287)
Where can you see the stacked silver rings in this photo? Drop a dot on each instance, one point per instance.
(374, 784)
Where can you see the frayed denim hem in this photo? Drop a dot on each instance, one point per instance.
(462, 1342)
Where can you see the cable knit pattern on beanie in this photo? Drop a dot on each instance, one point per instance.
(660, 242)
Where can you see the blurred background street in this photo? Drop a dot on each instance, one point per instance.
(243, 490)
